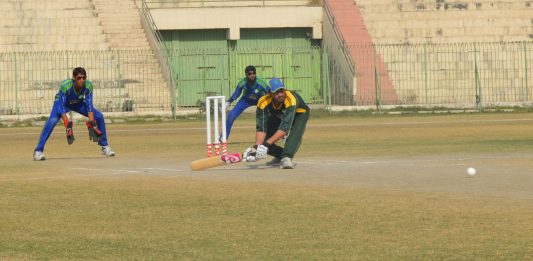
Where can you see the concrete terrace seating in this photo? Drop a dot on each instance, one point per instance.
(477, 22)
(227, 3)
(123, 31)
(41, 41)
(447, 21)
(34, 25)
(120, 20)
(441, 41)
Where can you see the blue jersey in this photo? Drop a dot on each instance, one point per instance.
(67, 97)
(251, 93)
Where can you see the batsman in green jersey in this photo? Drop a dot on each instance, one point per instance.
(280, 113)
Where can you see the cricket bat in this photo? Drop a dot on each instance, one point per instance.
(216, 161)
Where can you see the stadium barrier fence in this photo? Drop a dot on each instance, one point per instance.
(450, 75)
(474, 75)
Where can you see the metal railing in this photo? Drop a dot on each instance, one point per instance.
(338, 35)
(476, 75)
(124, 80)
(157, 43)
(466, 75)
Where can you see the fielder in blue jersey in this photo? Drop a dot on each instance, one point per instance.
(251, 88)
(75, 94)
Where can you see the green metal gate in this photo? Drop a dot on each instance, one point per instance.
(200, 59)
(208, 64)
(201, 73)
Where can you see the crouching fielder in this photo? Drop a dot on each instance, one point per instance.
(280, 113)
(75, 94)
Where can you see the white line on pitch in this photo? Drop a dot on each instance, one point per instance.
(59, 177)
(171, 170)
(337, 162)
(139, 170)
(36, 178)
(112, 170)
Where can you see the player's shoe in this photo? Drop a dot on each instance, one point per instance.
(286, 163)
(274, 162)
(107, 151)
(38, 155)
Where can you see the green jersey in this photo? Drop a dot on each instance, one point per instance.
(267, 113)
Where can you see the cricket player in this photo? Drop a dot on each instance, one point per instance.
(75, 94)
(253, 88)
(280, 113)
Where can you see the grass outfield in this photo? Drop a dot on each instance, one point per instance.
(365, 187)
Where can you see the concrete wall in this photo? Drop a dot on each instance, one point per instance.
(447, 21)
(234, 19)
(341, 71)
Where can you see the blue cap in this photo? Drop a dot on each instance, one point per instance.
(276, 85)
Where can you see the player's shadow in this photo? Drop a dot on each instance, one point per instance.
(260, 166)
(240, 142)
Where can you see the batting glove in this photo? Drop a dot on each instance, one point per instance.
(261, 152)
(231, 158)
(94, 133)
(249, 155)
(70, 133)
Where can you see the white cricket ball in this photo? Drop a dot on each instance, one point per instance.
(471, 171)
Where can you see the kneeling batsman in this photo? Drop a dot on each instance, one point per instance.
(280, 115)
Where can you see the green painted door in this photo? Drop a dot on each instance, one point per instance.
(201, 73)
(200, 60)
(268, 63)
(305, 74)
(208, 64)
(285, 53)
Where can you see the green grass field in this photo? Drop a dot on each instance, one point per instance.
(365, 187)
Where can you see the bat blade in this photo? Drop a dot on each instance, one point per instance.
(212, 162)
(207, 163)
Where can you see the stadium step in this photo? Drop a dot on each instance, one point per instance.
(116, 26)
(35, 25)
(424, 21)
(124, 30)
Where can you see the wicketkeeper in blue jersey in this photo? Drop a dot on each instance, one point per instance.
(251, 88)
(75, 94)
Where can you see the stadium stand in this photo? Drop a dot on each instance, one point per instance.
(447, 21)
(41, 41)
(33, 25)
(122, 28)
(431, 52)
(123, 31)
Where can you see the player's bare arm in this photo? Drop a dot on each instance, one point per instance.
(278, 135)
